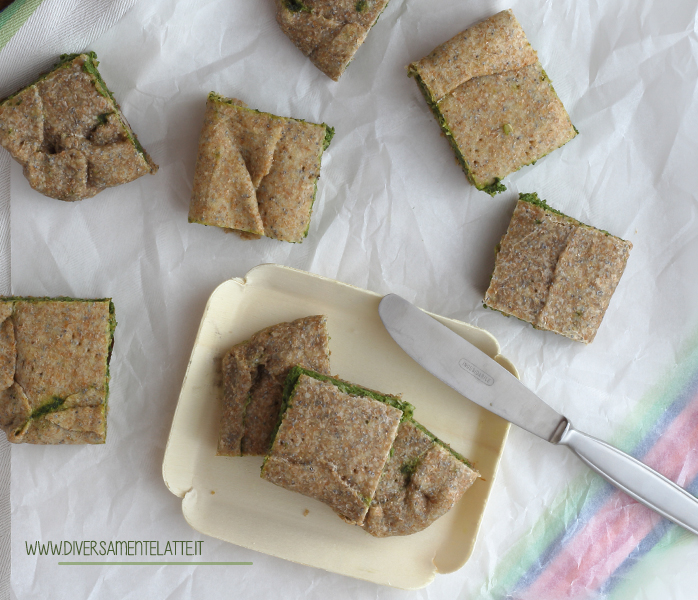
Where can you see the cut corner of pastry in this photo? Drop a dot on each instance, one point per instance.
(423, 479)
(69, 134)
(484, 72)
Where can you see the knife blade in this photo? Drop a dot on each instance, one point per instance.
(475, 375)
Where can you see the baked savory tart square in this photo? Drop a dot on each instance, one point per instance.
(554, 272)
(493, 100)
(328, 32)
(68, 133)
(256, 173)
(333, 441)
(54, 369)
(254, 374)
(422, 480)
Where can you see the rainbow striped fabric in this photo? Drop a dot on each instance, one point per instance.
(597, 538)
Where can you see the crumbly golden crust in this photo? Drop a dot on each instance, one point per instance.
(493, 100)
(555, 272)
(329, 32)
(332, 446)
(74, 426)
(421, 482)
(69, 134)
(254, 373)
(15, 412)
(8, 349)
(55, 370)
(255, 172)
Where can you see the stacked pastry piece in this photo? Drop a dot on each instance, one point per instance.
(357, 450)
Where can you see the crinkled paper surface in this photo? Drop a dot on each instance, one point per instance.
(394, 213)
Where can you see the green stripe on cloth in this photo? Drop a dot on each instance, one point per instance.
(13, 17)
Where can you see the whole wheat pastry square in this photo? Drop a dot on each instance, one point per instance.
(69, 135)
(554, 272)
(422, 480)
(256, 173)
(333, 441)
(328, 32)
(493, 100)
(54, 369)
(254, 373)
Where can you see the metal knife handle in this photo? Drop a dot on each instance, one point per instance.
(635, 478)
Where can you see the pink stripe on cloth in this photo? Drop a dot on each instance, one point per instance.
(675, 454)
(587, 560)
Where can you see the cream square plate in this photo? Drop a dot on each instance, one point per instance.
(250, 512)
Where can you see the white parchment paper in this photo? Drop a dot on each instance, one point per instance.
(394, 213)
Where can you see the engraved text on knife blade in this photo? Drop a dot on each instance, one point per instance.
(479, 374)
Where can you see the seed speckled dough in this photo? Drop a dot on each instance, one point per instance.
(554, 272)
(332, 445)
(69, 135)
(493, 100)
(254, 373)
(256, 173)
(54, 369)
(328, 32)
(422, 480)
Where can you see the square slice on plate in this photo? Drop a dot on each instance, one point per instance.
(333, 441)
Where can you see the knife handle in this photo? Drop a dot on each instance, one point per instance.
(635, 478)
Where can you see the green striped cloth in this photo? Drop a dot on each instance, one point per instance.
(14, 16)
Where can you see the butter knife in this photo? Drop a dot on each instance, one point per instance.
(472, 373)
